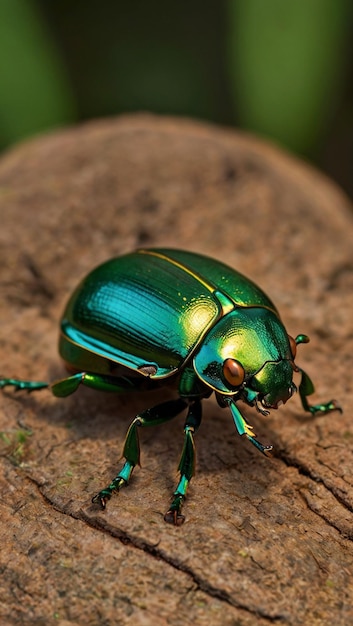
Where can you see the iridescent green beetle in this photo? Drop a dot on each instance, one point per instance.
(156, 316)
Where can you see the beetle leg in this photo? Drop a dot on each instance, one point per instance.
(186, 465)
(29, 385)
(244, 428)
(306, 388)
(151, 417)
(101, 382)
(67, 386)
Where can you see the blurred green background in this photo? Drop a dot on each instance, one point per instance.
(278, 68)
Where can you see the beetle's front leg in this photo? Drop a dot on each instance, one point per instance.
(131, 452)
(186, 465)
(244, 428)
(306, 388)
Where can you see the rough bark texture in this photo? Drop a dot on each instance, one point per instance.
(264, 540)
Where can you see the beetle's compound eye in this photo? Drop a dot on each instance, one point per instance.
(293, 346)
(233, 372)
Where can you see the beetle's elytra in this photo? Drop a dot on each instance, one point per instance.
(157, 315)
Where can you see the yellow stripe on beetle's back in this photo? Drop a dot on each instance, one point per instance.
(209, 286)
(238, 296)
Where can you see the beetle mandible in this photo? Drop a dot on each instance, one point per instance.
(160, 315)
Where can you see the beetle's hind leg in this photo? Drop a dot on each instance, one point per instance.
(151, 417)
(28, 385)
(186, 465)
(66, 386)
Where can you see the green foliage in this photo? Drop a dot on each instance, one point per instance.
(34, 90)
(287, 62)
(275, 67)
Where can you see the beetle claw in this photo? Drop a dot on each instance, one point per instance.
(174, 518)
(333, 405)
(100, 499)
(336, 406)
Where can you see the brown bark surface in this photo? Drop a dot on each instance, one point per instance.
(264, 540)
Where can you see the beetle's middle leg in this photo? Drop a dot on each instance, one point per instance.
(151, 417)
(186, 465)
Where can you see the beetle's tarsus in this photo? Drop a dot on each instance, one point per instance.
(173, 515)
(105, 494)
(268, 451)
(100, 499)
(27, 385)
(174, 518)
(335, 406)
(327, 407)
(265, 449)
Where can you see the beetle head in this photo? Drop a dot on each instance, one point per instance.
(273, 384)
(248, 352)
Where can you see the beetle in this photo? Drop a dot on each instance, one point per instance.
(158, 316)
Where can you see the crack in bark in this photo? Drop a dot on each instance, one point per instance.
(125, 538)
(345, 534)
(332, 469)
(291, 461)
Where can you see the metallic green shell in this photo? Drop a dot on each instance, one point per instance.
(240, 289)
(149, 311)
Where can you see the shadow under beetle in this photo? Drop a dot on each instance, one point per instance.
(160, 315)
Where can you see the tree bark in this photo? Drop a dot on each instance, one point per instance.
(264, 540)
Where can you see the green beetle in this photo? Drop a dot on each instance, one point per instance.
(158, 315)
